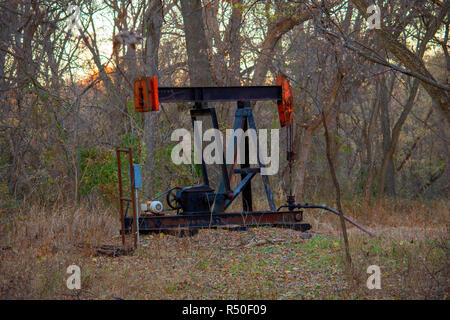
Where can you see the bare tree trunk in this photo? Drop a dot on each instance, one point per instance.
(310, 127)
(387, 174)
(387, 160)
(444, 129)
(153, 20)
(196, 44)
(217, 61)
(369, 145)
(338, 195)
(305, 147)
(234, 40)
(387, 177)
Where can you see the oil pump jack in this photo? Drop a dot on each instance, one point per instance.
(201, 206)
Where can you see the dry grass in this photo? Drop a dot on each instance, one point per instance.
(411, 248)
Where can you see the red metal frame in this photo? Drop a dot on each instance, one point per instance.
(132, 199)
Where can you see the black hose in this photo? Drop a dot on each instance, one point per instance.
(316, 206)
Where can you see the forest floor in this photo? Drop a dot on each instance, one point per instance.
(411, 249)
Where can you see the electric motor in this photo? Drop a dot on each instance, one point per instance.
(156, 207)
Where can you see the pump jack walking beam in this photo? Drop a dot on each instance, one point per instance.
(147, 95)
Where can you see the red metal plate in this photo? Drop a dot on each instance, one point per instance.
(141, 95)
(146, 94)
(286, 104)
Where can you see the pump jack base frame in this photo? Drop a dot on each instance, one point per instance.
(149, 223)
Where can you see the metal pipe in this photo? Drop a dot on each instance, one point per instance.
(119, 171)
(314, 206)
(133, 197)
(137, 220)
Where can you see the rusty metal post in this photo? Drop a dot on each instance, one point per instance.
(133, 198)
(122, 218)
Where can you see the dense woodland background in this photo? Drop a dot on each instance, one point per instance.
(67, 102)
(381, 96)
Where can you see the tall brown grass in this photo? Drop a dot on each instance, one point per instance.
(37, 244)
